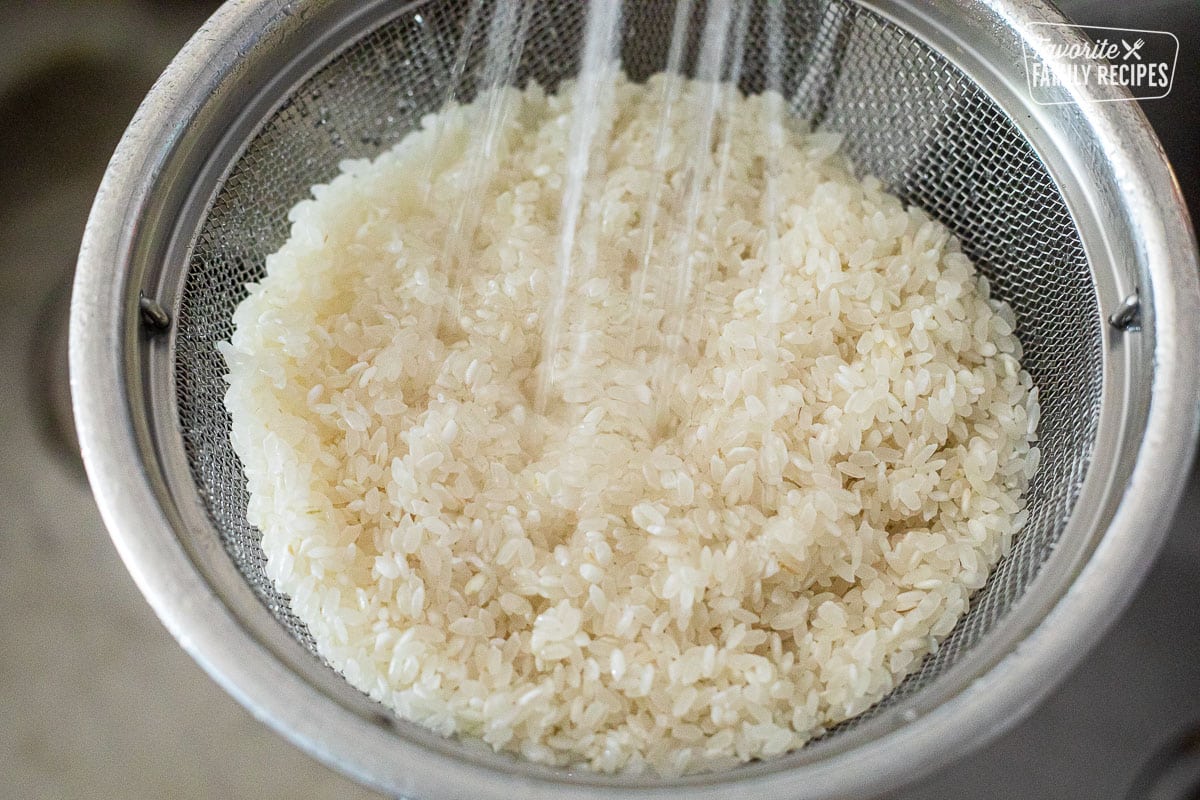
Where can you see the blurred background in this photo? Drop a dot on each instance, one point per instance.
(96, 699)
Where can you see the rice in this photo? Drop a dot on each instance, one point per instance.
(621, 582)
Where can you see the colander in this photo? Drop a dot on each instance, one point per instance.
(1070, 209)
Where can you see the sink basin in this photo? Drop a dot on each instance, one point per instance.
(99, 701)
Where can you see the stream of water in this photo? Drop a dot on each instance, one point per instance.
(670, 269)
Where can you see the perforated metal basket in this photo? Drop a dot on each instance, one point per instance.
(1069, 209)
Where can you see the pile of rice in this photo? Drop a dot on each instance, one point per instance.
(840, 462)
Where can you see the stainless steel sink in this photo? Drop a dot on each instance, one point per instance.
(96, 700)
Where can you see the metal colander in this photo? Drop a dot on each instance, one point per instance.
(1067, 209)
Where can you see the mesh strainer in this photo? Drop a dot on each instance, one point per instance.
(1069, 209)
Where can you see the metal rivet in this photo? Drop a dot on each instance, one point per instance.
(1128, 317)
(154, 316)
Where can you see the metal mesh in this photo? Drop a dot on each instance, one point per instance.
(908, 116)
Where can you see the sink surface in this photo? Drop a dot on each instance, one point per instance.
(99, 701)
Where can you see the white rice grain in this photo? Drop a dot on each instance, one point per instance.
(842, 460)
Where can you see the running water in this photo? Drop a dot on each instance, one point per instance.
(596, 77)
(773, 136)
(505, 43)
(668, 98)
(452, 78)
(700, 161)
(733, 77)
(667, 274)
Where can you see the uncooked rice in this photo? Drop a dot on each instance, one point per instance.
(840, 462)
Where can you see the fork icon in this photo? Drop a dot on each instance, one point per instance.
(1132, 50)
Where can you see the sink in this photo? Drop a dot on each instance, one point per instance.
(99, 701)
